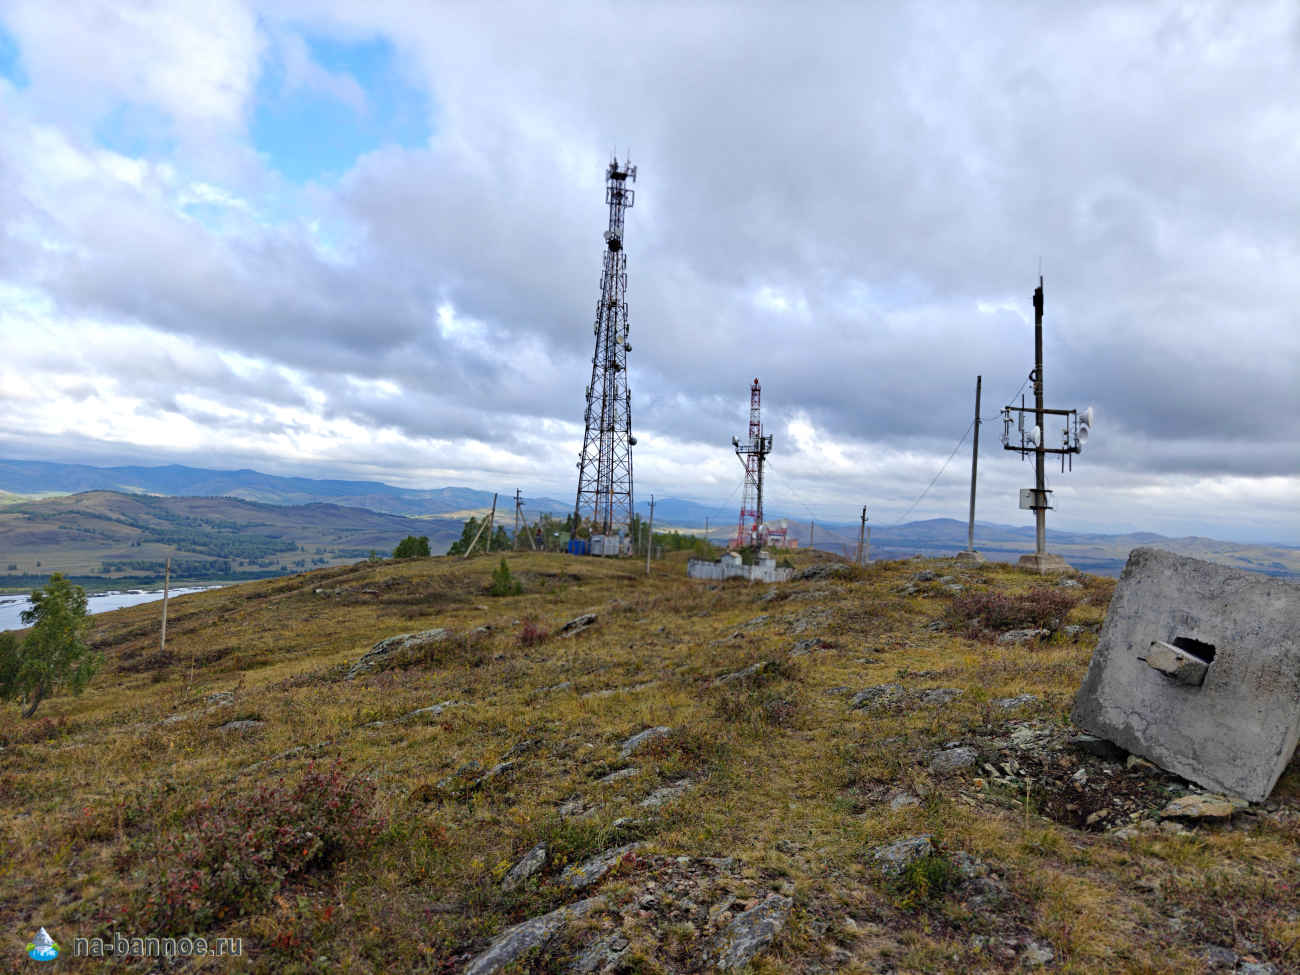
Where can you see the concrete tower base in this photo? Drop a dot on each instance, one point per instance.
(1047, 562)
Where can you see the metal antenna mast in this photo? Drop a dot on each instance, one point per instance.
(751, 454)
(1073, 436)
(605, 465)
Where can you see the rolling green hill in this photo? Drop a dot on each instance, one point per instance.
(119, 538)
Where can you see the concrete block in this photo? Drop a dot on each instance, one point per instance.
(1197, 668)
(1177, 664)
(1047, 562)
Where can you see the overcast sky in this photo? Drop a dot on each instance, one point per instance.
(363, 239)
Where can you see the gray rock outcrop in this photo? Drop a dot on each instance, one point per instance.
(394, 648)
(873, 697)
(1023, 636)
(939, 695)
(623, 773)
(751, 932)
(953, 759)
(530, 934)
(641, 738)
(600, 955)
(1012, 703)
(1202, 807)
(244, 724)
(753, 670)
(665, 794)
(582, 875)
(577, 625)
(893, 858)
(531, 863)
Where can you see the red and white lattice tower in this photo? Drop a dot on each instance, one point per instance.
(752, 453)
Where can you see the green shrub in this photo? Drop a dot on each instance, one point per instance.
(54, 652)
(923, 880)
(411, 547)
(503, 583)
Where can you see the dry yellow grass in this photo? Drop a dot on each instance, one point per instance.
(783, 776)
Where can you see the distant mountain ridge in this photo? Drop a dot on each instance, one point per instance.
(1091, 552)
(175, 480)
(1087, 551)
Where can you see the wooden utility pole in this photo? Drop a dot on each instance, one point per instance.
(650, 545)
(970, 555)
(488, 521)
(974, 467)
(862, 532)
(518, 502)
(520, 519)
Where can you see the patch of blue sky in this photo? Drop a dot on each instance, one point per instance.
(308, 132)
(214, 217)
(136, 130)
(11, 62)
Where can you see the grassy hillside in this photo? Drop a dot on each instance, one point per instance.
(368, 824)
(129, 536)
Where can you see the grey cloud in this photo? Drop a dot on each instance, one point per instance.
(891, 168)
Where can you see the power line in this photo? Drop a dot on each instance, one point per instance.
(1009, 399)
(921, 497)
(936, 477)
(812, 514)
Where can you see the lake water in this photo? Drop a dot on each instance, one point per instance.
(12, 605)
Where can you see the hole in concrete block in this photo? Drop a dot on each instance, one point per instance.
(1197, 648)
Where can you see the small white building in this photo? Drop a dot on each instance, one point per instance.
(731, 566)
(619, 544)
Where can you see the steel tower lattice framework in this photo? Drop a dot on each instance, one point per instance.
(751, 454)
(605, 464)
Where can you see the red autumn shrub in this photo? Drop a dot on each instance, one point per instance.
(232, 855)
(991, 611)
(533, 633)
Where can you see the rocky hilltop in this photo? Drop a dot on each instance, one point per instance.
(383, 767)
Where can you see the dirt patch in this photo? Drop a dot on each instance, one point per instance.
(1037, 766)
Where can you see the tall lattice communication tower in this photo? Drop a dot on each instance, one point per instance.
(752, 454)
(605, 464)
